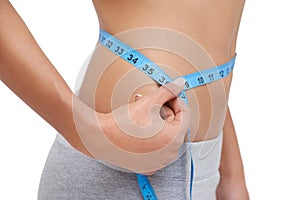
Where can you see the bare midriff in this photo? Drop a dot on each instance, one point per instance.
(212, 24)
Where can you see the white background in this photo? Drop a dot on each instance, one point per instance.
(264, 97)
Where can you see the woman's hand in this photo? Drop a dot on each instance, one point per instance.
(166, 114)
(135, 136)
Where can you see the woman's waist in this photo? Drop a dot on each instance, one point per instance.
(119, 82)
(113, 80)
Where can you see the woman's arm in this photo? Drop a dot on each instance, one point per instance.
(30, 75)
(232, 184)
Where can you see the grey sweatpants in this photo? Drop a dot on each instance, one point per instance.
(69, 174)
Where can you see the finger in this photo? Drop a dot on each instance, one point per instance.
(181, 122)
(167, 92)
(167, 113)
(181, 112)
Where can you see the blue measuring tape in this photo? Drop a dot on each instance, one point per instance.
(152, 70)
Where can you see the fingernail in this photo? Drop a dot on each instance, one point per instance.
(179, 82)
(138, 95)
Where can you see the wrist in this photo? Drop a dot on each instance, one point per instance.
(77, 122)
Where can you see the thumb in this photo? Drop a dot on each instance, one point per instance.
(168, 91)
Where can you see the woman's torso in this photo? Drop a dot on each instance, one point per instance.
(212, 24)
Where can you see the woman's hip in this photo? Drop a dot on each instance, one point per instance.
(69, 174)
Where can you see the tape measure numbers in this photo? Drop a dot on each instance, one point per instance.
(152, 70)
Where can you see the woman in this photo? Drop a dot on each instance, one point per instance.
(69, 174)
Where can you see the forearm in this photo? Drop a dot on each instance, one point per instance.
(232, 183)
(30, 75)
(231, 161)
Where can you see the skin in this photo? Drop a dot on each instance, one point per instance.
(214, 25)
(54, 103)
(30, 75)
